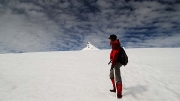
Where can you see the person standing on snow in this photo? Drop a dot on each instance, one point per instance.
(115, 64)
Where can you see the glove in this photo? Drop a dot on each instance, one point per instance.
(111, 68)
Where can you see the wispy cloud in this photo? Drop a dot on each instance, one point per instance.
(43, 25)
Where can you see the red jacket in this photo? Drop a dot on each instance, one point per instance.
(115, 51)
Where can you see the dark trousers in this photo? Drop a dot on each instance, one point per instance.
(117, 73)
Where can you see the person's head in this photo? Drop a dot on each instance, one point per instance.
(112, 37)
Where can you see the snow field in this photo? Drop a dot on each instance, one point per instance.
(151, 75)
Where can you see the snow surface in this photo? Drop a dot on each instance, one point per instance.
(90, 47)
(151, 75)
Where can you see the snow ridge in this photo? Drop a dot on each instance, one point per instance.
(90, 47)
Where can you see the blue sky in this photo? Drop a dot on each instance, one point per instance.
(63, 25)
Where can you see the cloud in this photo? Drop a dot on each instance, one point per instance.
(43, 25)
(26, 33)
(161, 41)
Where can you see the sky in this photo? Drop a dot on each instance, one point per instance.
(67, 25)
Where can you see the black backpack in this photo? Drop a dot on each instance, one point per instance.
(123, 58)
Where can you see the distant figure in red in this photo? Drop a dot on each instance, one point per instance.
(114, 42)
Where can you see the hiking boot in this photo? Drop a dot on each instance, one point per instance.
(114, 90)
(113, 82)
(119, 96)
(119, 90)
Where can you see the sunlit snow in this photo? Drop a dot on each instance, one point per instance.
(151, 75)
